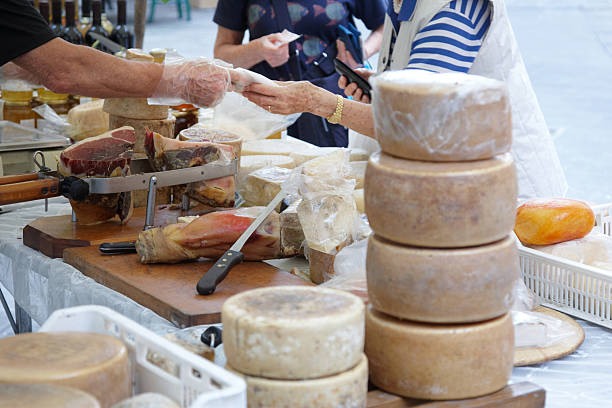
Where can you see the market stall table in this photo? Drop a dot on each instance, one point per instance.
(41, 285)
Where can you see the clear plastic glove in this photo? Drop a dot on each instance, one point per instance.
(201, 82)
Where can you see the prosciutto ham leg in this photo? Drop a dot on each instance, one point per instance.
(209, 236)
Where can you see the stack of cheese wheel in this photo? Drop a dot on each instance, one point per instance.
(441, 264)
(95, 364)
(297, 346)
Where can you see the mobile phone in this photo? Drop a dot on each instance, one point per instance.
(352, 76)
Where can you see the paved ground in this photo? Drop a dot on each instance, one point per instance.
(567, 46)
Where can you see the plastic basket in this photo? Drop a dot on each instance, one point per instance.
(197, 383)
(571, 287)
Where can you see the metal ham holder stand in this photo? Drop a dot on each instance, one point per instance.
(146, 180)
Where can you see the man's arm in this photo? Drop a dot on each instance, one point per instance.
(67, 68)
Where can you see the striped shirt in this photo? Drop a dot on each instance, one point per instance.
(451, 40)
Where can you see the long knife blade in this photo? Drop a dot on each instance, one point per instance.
(215, 275)
(110, 44)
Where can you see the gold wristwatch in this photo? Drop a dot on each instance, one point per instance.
(336, 117)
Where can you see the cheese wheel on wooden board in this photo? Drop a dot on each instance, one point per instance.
(135, 108)
(439, 362)
(94, 363)
(420, 115)
(147, 400)
(347, 389)
(441, 205)
(292, 332)
(164, 127)
(44, 396)
(442, 285)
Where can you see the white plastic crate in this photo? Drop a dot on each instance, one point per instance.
(571, 287)
(198, 383)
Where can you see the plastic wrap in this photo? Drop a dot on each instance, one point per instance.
(595, 250)
(420, 115)
(238, 115)
(75, 126)
(350, 270)
(533, 329)
(201, 82)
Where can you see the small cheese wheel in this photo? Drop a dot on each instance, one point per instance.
(439, 362)
(441, 205)
(442, 285)
(420, 115)
(147, 400)
(293, 332)
(347, 389)
(44, 395)
(94, 363)
(164, 127)
(135, 108)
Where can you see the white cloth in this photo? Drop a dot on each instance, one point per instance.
(538, 167)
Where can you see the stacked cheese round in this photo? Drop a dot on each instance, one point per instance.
(43, 395)
(420, 115)
(441, 265)
(293, 344)
(93, 363)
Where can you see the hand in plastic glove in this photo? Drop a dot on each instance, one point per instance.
(284, 99)
(201, 82)
(351, 89)
(273, 49)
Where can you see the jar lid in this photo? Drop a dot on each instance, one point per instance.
(47, 96)
(17, 96)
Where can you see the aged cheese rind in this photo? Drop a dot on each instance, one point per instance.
(88, 120)
(164, 127)
(420, 115)
(442, 285)
(261, 186)
(147, 400)
(292, 234)
(439, 362)
(345, 390)
(441, 205)
(135, 108)
(292, 332)
(94, 363)
(44, 396)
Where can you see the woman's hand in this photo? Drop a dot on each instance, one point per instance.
(284, 99)
(273, 50)
(351, 89)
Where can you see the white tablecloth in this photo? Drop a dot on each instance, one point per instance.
(42, 285)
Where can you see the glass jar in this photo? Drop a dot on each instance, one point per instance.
(60, 103)
(186, 116)
(18, 106)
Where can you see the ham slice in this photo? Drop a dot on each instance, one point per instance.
(209, 236)
(171, 154)
(107, 155)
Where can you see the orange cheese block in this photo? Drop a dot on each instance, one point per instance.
(44, 396)
(446, 117)
(347, 389)
(441, 205)
(439, 362)
(442, 285)
(293, 332)
(553, 220)
(94, 363)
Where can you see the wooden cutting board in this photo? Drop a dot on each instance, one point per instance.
(523, 395)
(170, 290)
(51, 235)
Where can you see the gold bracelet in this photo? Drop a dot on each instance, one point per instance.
(337, 115)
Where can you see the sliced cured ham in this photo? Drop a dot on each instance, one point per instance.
(209, 236)
(107, 155)
(171, 154)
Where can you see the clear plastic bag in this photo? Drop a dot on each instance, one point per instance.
(350, 270)
(534, 329)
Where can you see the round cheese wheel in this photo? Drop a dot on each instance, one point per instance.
(164, 127)
(293, 332)
(421, 115)
(135, 108)
(347, 389)
(44, 395)
(442, 285)
(441, 205)
(439, 362)
(147, 400)
(94, 363)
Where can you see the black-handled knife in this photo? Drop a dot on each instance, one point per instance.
(208, 283)
(118, 248)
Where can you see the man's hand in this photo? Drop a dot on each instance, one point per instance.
(274, 51)
(351, 89)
